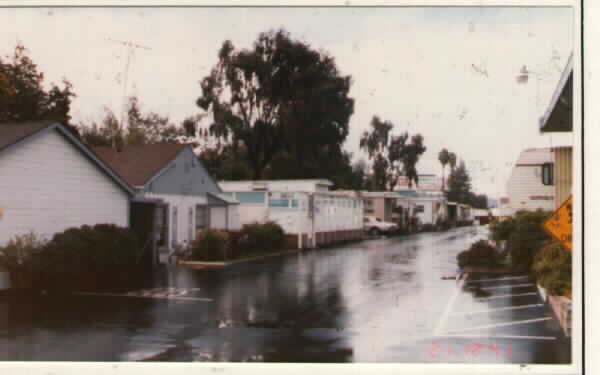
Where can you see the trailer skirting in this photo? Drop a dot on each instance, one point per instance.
(323, 238)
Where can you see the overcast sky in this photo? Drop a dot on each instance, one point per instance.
(447, 73)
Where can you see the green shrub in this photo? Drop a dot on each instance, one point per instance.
(89, 249)
(210, 245)
(552, 268)
(500, 230)
(481, 253)
(258, 238)
(18, 254)
(527, 238)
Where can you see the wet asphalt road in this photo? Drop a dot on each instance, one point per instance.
(381, 300)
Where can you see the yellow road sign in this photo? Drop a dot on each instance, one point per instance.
(560, 224)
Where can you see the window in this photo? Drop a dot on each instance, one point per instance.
(279, 203)
(548, 173)
(419, 208)
(253, 197)
(295, 203)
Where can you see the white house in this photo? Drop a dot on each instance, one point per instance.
(308, 212)
(187, 198)
(50, 181)
(530, 183)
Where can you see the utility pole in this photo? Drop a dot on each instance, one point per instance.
(131, 47)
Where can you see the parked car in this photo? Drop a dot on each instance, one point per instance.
(375, 226)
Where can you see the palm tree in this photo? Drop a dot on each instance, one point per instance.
(444, 158)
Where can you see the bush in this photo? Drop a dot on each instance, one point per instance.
(552, 268)
(18, 254)
(89, 249)
(527, 238)
(253, 239)
(210, 245)
(500, 230)
(258, 238)
(481, 253)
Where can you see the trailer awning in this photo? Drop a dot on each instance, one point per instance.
(559, 115)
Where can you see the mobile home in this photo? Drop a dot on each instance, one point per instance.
(308, 212)
(529, 186)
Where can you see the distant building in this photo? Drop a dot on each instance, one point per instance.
(309, 213)
(430, 207)
(427, 182)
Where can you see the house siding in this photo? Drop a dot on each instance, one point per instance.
(47, 186)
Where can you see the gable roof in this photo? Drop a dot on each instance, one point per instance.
(12, 134)
(138, 164)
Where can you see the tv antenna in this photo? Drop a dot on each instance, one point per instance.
(131, 48)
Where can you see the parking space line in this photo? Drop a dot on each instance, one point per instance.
(502, 286)
(446, 313)
(499, 337)
(499, 309)
(507, 324)
(501, 279)
(506, 296)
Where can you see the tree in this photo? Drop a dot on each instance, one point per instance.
(410, 158)
(392, 156)
(444, 158)
(141, 128)
(377, 144)
(459, 184)
(23, 96)
(478, 201)
(278, 96)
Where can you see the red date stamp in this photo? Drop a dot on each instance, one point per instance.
(472, 350)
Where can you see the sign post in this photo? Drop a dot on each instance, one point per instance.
(560, 224)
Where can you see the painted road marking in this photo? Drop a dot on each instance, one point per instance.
(502, 286)
(446, 313)
(501, 279)
(506, 296)
(143, 296)
(499, 337)
(499, 309)
(507, 324)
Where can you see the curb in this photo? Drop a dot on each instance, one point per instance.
(203, 264)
